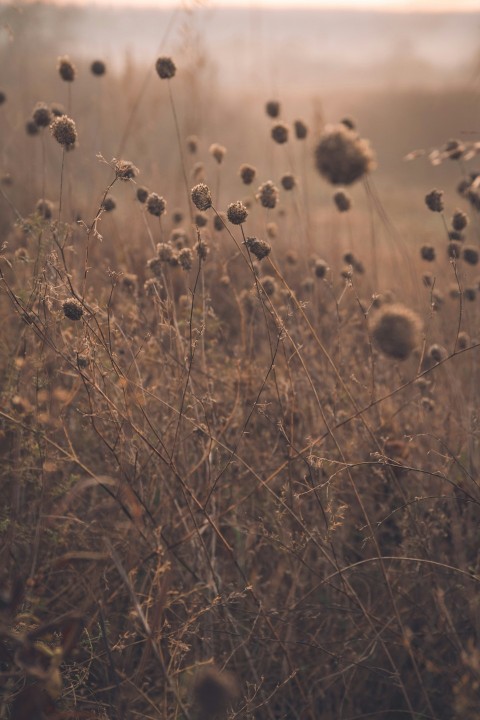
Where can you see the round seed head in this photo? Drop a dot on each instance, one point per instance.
(213, 692)
(396, 330)
(185, 258)
(200, 220)
(156, 205)
(434, 200)
(342, 157)
(455, 235)
(279, 133)
(301, 129)
(342, 201)
(288, 181)
(219, 221)
(272, 108)
(218, 152)
(3, 97)
(349, 123)
(454, 149)
(142, 194)
(463, 340)
(437, 353)
(267, 194)
(202, 249)
(164, 251)
(247, 173)
(320, 269)
(470, 255)
(72, 309)
(66, 69)
(459, 221)
(125, 170)
(427, 252)
(155, 266)
(98, 68)
(237, 213)
(454, 250)
(259, 248)
(57, 109)
(31, 128)
(177, 217)
(129, 283)
(64, 131)
(165, 68)
(44, 208)
(201, 196)
(42, 116)
(470, 294)
(269, 285)
(291, 257)
(109, 204)
(192, 144)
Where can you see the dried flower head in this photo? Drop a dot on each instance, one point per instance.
(434, 200)
(156, 205)
(155, 266)
(98, 68)
(64, 131)
(31, 128)
(396, 330)
(269, 285)
(279, 133)
(454, 250)
(267, 194)
(152, 287)
(459, 221)
(42, 116)
(66, 69)
(437, 353)
(201, 196)
(349, 123)
(470, 294)
(342, 157)
(142, 194)
(202, 249)
(164, 251)
(470, 255)
(129, 283)
(453, 149)
(125, 170)
(342, 201)
(192, 144)
(109, 204)
(455, 235)
(185, 258)
(57, 109)
(288, 181)
(165, 68)
(427, 252)
(272, 108)
(320, 268)
(200, 219)
(177, 217)
(463, 340)
(44, 208)
(220, 221)
(301, 129)
(247, 173)
(3, 97)
(217, 151)
(213, 692)
(259, 248)
(72, 309)
(237, 213)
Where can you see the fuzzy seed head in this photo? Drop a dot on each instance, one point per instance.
(42, 116)
(217, 151)
(72, 309)
(342, 201)
(269, 285)
(454, 250)
(470, 294)
(470, 255)
(267, 195)
(396, 330)
(459, 221)
(164, 251)
(247, 173)
(185, 258)
(427, 252)
(434, 200)
(142, 194)
(437, 353)
(64, 131)
(342, 157)
(31, 128)
(272, 108)
(165, 68)
(202, 249)
(288, 181)
(98, 68)
(109, 204)
(259, 248)
(279, 133)
(301, 129)
(66, 69)
(156, 205)
(320, 269)
(219, 221)
(192, 144)
(200, 219)
(44, 208)
(125, 170)
(201, 196)
(237, 213)
(57, 109)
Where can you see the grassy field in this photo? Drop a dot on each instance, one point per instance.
(239, 429)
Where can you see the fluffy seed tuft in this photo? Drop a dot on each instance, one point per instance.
(396, 330)
(342, 157)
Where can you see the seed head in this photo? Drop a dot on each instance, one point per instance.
(125, 170)
(427, 253)
(247, 173)
(192, 144)
(64, 131)
(3, 97)
(201, 196)
(31, 128)
(42, 116)
(267, 194)
(437, 353)
(98, 68)
(155, 266)
(470, 255)
(259, 248)
(342, 157)
(434, 200)
(342, 201)
(57, 109)
(72, 309)
(396, 330)
(200, 220)
(470, 294)
(301, 129)
(454, 250)
(202, 249)
(320, 269)
(219, 221)
(109, 204)
(463, 340)
(454, 149)
(279, 133)
(165, 68)
(177, 217)
(272, 108)
(44, 208)
(288, 181)
(142, 194)
(156, 205)
(269, 285)
(218, 152)
(129, 283)
(66, 69)
(185, 258)
(164, 251)
(459, 221)
(213, 692)
(237, 213)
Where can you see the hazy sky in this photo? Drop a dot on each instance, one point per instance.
(406, 5)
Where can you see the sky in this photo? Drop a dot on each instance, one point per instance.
(402, 5)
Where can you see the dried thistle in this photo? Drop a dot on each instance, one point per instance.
(267, 194)
(434, 200)
(279, 133)
(72, 309)
(320, 269)
(259, 248)
(342, 201)
(109, 204)
(66, 69)
(272, 108)
(396, 330)
(165, 68)
(237, 213)
(125, 170)
(217, 151)
(185, 258)
(98, 68)
(142, 194)
(247, 173)
(156, 205)
(301, 129)
(42, 116)
(288, 181)
(201, 196)
(342, 157)
(64, 131)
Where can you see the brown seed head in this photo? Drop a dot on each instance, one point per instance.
(42, 116)
(301, 129)
(267, 194)
(247, 173)
(454, 250)
(165, 68)
(342, 157)
(57, 109)
(218, 152)
(31, 128)
(437, 353)
(192, 144)
(156, 205)
(320, 269)
(349, 123)
(202, 249)
(259, 248)
(470, 255)
(237, 213)
(272, 108)
(125, 170)
(269, 285)
(459, 220)
(185, 258)
(434, 200)
(177, 217)
(44, 208)
(201, 196)
(72, 309)
(396, 330)
(279, 133)
(64, 131)
(66, 69)
(342, 201)
(200, 220)
(142, 194)
(98, 68)
(109, 204)
(427, 252)
(164, 251)
(288, 181)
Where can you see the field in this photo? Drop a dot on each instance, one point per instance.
(239, 395)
